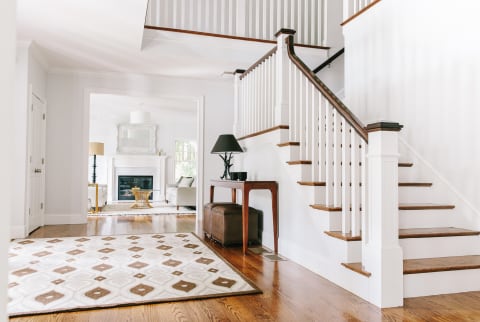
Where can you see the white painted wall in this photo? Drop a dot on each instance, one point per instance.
(67, 129)
(7, 87)
(30, 76)
(301, 228)
(173, 122)
(405, 63)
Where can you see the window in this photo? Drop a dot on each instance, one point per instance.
(185, 158)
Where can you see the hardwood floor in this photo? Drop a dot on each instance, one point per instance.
(291, 292)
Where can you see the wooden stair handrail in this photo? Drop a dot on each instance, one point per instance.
(329, 60)
(258, 62)
(329, 95)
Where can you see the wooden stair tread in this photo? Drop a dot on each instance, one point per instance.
(440, 264)
(436, 232)
(311, 183)
(420, 206)
(415, 184)
(405, 164)
(299, 162)
(288, 144)
(340, 235)
(325, 207)
(413, 233)
(358, 268)
(424, 206)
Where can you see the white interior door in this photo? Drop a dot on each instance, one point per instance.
(36, 203)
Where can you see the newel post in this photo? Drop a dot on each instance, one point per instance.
(237, 104)
(281, 99)
(382, 254)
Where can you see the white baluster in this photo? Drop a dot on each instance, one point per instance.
(315, 135)
(329, 134)
(322, 108)
(291, 95)
(308, 118)
(347, 184)
(355, 178)
(363, 180)
(302, 110)
(337, 159)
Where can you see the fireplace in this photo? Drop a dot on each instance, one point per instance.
(141, 166)
(126, 183)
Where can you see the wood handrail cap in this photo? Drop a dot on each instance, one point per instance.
(383, 126)
(285, 31)
(239, 71)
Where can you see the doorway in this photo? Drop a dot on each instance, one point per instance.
(170, 118)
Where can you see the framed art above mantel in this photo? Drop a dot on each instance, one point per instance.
(137, 139)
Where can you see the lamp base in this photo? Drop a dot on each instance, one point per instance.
(227, 164)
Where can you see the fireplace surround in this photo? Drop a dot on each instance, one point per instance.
(138, 166)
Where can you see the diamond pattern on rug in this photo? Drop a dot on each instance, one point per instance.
(42, 281)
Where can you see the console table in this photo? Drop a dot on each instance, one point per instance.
(246, 187)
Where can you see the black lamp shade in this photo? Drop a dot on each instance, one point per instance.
(226, 143)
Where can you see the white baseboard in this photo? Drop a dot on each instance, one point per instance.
(63, 219)
(18, 231)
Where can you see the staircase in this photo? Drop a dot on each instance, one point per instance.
(427, 250)
(324, 146)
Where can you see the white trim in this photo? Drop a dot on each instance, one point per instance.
(200, 104)
(200, 157)
(18, 231)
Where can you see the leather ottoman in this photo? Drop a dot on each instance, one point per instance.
(207, 216)
(226, 225)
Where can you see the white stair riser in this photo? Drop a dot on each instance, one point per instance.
(441, 282)
(426, 218)
(415, 195)
(313, 195)
(346, 252)
(414, 248)
(301, 171)
(288, 153)
(333, 218)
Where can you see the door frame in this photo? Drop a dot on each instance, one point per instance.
(200, 106)
(31, 98)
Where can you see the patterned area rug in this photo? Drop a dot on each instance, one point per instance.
(74, 273)
(124, 209)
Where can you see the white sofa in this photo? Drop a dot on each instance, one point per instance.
(182, 193)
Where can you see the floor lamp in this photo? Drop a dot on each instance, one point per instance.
(95, 148)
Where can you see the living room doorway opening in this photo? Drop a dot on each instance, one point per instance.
(142, 137)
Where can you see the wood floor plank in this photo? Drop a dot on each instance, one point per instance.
(291, 292)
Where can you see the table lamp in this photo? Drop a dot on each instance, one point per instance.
(95, 148)
(225, 146)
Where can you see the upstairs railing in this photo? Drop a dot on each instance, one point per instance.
(256, 19)
(352, 8)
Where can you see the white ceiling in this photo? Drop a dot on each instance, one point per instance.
(108, 35)
(110, 108)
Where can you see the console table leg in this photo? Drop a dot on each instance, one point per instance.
(245, 195)
(275, 219)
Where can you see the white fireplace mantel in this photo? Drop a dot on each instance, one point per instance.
(137, 165)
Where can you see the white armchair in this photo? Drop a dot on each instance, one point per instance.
(182, 193)
(102, 196)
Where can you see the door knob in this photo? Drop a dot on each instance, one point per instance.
(38, 170)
